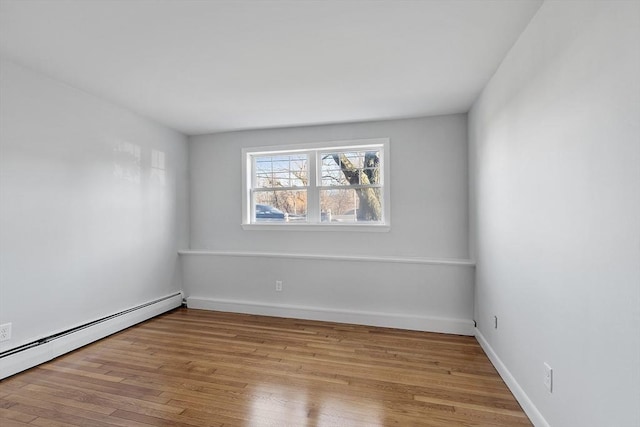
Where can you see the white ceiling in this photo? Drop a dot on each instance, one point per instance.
(202, 66)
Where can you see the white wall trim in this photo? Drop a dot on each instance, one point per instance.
(18, 362)
(388, 320)
(527, 405)
(364, 258)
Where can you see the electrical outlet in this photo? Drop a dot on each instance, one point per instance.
(279, 285)
(5, 332)
(548, 377)
(495, 322)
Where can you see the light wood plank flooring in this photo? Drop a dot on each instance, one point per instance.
(200, 368)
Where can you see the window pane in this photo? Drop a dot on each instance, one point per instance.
(350, 168)
(347, 205)
(282, 170)
(280, 205)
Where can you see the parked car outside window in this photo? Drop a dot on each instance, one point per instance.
(269, 213)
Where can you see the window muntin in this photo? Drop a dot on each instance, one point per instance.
(332, 184)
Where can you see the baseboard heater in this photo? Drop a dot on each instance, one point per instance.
(44, 349)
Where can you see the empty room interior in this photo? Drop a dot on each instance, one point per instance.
(320, 213)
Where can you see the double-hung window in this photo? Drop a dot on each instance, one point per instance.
(323, 186)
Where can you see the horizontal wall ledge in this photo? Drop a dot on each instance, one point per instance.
(363, 258)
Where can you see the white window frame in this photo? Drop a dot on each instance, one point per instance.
(314, 187)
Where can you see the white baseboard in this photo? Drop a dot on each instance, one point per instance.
(388, 320)
(527, 405)
(28, 358)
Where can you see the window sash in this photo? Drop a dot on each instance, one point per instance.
(378, 148)
(255, 184)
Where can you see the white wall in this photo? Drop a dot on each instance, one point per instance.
(428, 184)
(555, 160)
(87, 226)
(429, 219)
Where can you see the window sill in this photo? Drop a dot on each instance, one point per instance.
(318, 227)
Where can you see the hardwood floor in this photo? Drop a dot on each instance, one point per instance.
(200, 368)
